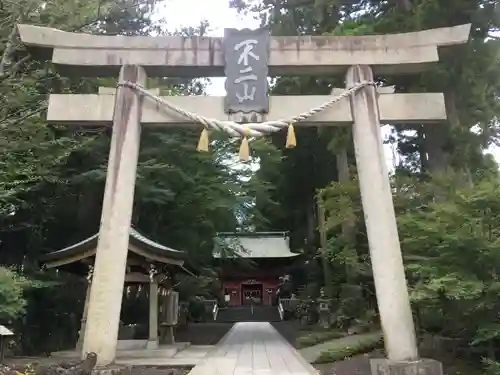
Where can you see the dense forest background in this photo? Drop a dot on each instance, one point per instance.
(446, 189)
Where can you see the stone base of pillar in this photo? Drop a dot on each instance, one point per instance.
(422, 366)
(152, 344)
(167, 336)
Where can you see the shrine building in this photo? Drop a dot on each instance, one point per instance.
(251, 265)
(149, 264)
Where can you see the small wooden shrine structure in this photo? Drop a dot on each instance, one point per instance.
(251, 265)
(148, 262)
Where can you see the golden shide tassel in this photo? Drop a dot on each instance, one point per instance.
(244, 149)
(203, 141)
(291, 141)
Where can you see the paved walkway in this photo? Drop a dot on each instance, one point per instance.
(189, 356)
(253, 348)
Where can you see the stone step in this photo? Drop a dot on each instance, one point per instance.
(247, 314)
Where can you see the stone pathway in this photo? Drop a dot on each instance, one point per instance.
(189, 356)
(180, 354)
(253, 348)
(312, 353)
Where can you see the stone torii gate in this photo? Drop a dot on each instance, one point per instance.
(135, 58)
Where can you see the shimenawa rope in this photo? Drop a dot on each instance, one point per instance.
(251, 129)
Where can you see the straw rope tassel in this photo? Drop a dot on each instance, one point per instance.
(291, 141)
(244, 149)
(203, 141)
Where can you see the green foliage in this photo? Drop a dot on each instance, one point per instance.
(12, 288)
(463, 221)
(364, 345)
(314, 338)
(491, 367)
(206, 285)
(451, 251)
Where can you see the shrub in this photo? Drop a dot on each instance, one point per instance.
(314, 338)
(363, 346)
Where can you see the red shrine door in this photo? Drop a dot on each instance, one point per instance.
(245, 292)
(251, 293)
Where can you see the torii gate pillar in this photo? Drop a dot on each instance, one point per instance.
(380, 220)
(385, 252)
(103, 318)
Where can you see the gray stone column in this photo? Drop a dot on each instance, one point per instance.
(153, 315)
(171, 316)
(83, 324)
(101, 333)
(385, 253)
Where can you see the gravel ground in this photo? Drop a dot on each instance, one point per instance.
(48, 366)
(357, 365)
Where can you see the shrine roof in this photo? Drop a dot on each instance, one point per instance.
(138, 244)
(253, 245)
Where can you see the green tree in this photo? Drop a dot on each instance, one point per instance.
(12, 286)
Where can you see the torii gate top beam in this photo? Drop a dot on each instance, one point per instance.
(177, 56)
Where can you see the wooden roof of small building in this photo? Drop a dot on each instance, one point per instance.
(138, 245)
(257, 245)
